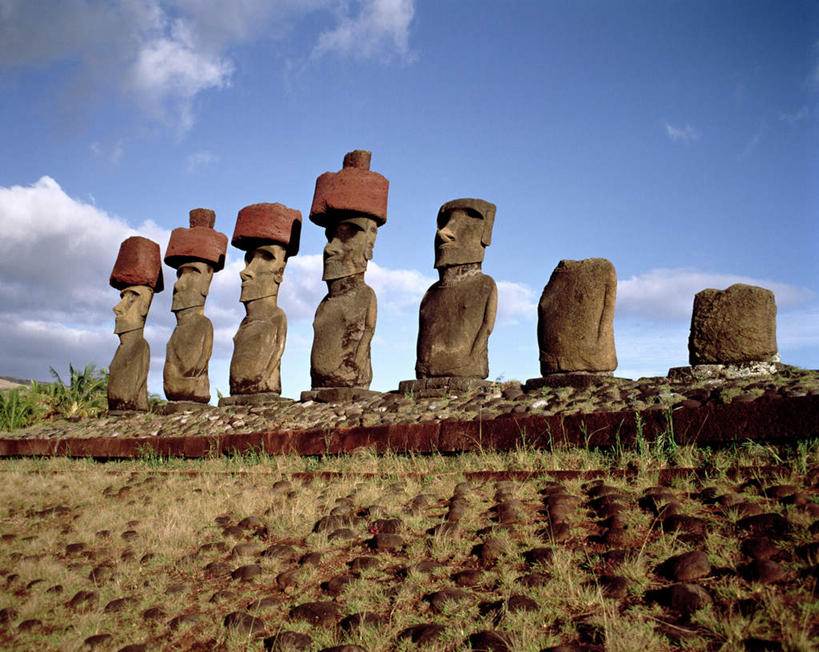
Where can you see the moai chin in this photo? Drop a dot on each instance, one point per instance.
(350, 204)
(575, 318)
(458, 312)
(268, 234)
(196, 253)
(137, 274)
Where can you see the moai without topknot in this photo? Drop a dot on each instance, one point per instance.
(268, 234)
(196, 253)
(733, 334)
(350, 205)
(457, 313)
(137, 274)
(575, 328)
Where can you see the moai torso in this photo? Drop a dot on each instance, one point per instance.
(575, 318)
(343, 329)
(128, 375)
(186, 360)
(455, 321)
(257, 352)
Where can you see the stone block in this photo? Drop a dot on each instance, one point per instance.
(575, 317)
(733, 325)
(265, 223)
(353, 190)
(199, 242)
(139, 262)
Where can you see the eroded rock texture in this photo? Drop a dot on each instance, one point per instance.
(269, 235)
(350, 204)
(458, 312)
(196, 253)
(575, 318)
(733, 325)
(137, 274)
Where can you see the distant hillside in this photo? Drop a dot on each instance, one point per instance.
(10, 382)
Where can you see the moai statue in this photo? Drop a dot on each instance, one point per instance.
(733, 334)
(575, 329)
(458, 312)
(196, 253)
(269, 234)
(350, 204)
(137, 274)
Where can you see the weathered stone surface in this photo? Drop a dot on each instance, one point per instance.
(269, 234)
(128, 372)
(575, 317)
(139, 262)
(733, 325)
(196, 253)
(199, 242)
(137, 274)
(266, 223)
(351, 205)
(458, 312)
(353, 189)
(343, 329)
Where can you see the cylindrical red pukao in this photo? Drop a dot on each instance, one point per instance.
(260, 224)
(352, 191)
(139, 262)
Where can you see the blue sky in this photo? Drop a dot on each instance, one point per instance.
(677, 139)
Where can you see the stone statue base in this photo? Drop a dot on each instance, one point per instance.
(259, 398)
(338, 394)
(442, 385)
(175, 407)
(576, 379)
(729, 371)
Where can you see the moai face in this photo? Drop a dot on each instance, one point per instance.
(350, 245)
(458, 239)
(263, 272)
(133, 308)
(192, 285)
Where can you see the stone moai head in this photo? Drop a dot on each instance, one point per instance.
(733, 325)
(268, 234)
(464, 232)
(137, 274)
(196, 253)
(350, 204)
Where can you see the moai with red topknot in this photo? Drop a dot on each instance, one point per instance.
(137, 274)
(268, 234)
(196, 253)
(350, 204)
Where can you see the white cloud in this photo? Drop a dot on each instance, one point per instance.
(796, 116)
(110, 152)
(162, 54)
(381, 26)
(684, 134)
(668, 294)
(199, 160)
(516, 302)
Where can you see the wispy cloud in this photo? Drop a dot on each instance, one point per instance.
(379, 26)
(668, 294)
(111, 152)
(803, 113)
(684, 134)
(162, 54)
(200, 159)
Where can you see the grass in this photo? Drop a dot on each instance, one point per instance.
(81, 394)
(172, 505)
